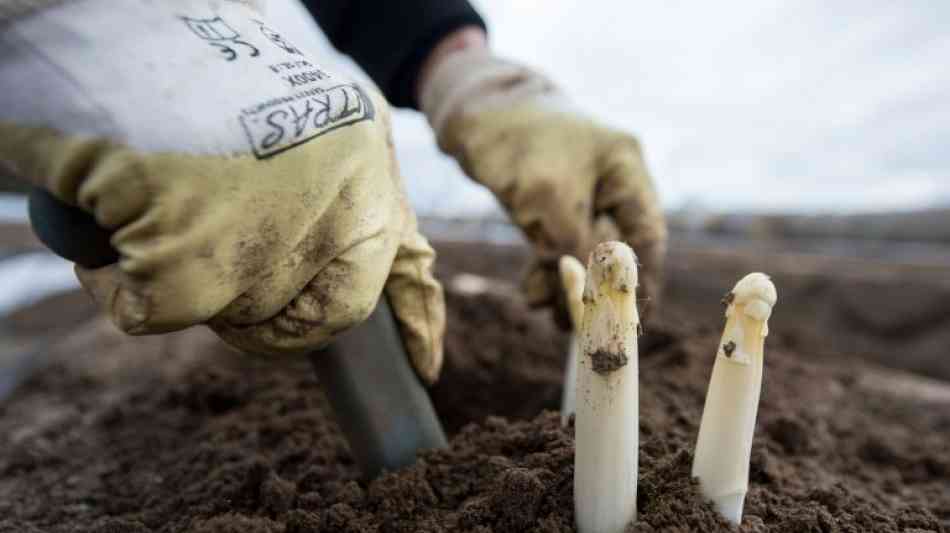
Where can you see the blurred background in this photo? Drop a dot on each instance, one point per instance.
(806, 120)
(807, 139)
(799, 107)
(773, 106)
(795, 106)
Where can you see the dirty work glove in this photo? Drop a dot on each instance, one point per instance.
(560, 175)
(247, 188)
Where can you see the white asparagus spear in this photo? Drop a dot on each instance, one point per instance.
(724, 445)
(607, 420)
(572, 279)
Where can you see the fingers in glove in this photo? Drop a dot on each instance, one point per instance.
(135, 308)
(556, 223)
(419, 305)
(540, 289)
(127, 309)
(340, 296)
(627, 194)
(542, 284)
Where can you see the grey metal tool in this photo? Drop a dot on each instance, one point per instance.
(379, 402)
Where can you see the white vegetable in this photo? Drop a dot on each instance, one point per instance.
(572, 278)
(724, 445)
(470, 284)
(607, 420)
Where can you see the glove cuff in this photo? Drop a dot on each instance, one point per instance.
(476, 80)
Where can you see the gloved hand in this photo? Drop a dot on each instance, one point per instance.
(247, 188)
(567, 181)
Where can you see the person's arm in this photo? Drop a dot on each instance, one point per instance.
(465, 38)
(568, 181)
(391, 40)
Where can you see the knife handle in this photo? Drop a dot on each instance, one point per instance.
(70, 232)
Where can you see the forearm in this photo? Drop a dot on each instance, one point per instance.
(577, 182)
(392, 41)
(466, 38)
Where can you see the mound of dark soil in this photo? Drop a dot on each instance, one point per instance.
(178, 434)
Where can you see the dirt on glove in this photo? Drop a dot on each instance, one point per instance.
(178, 434)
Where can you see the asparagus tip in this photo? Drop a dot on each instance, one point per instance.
(612, 264)
(755, 286)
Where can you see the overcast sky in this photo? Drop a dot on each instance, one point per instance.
(792, 105)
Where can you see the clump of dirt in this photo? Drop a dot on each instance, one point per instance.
(605, 362)
(178, 434)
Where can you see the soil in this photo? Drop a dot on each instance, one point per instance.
(604, 362)
(179, 434)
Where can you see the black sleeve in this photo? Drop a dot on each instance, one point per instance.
(391, 39)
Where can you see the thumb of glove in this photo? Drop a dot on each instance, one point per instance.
(418, 303)
(126, 309)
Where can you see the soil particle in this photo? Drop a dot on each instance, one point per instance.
(728, 299)
(791, 434)
(310, 501)
(238, 523)
(668, 497)
(349, 493)
(728, 348)
(277, 495)
(120, 525)
(191, 438)
(299, 521)
(516, 497)
(604, 362)
(344, 518)
(400, 498)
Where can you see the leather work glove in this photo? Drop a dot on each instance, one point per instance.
(565, 180)
(247, 188)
